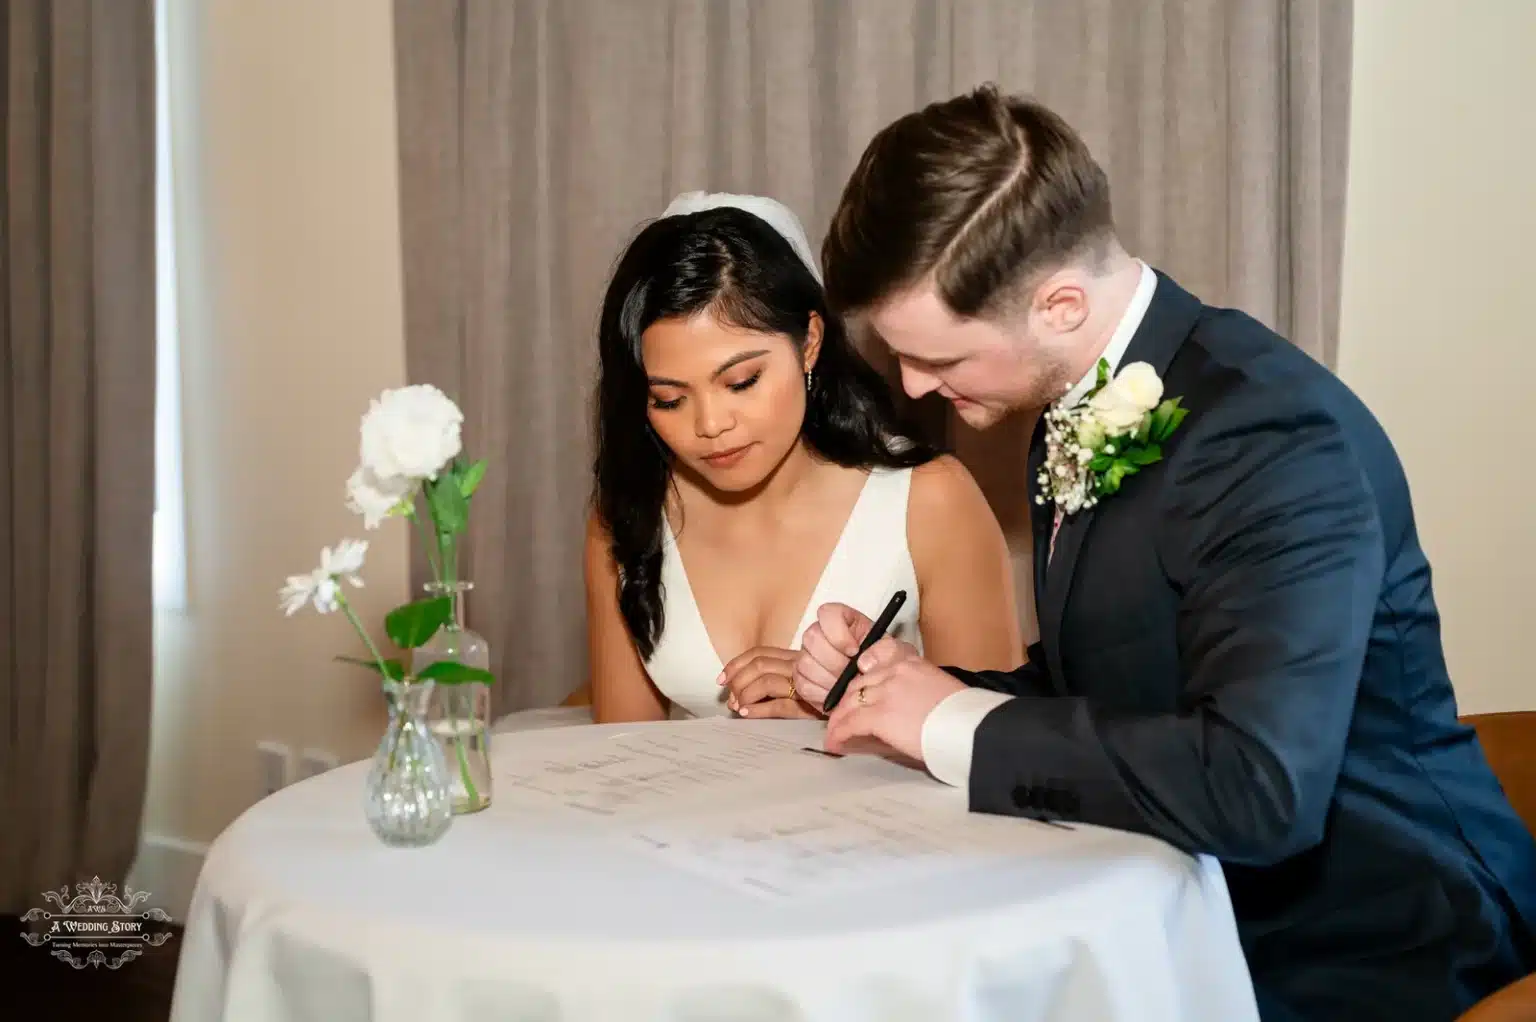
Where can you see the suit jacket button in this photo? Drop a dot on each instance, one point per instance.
(1023, 797)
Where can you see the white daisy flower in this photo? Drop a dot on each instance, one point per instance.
(345, 559)
(322, 587)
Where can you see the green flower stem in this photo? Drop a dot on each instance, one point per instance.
(416, 767)
(448, 557)
(426, 535)
(394, 745)
(469, 785)
(346, 607)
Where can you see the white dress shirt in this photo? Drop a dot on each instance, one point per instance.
(949, 732)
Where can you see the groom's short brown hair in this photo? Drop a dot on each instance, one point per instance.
(980, 192)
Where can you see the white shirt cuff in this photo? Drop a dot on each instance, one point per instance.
(949, 733)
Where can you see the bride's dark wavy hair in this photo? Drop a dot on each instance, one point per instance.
(733, 264)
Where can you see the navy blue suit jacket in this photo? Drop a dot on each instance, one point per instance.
(1240, 654)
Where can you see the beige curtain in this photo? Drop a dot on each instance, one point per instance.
(536, 135)
(77, 369)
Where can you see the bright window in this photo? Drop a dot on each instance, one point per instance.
(170, 558)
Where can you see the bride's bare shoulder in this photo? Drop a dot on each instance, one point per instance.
(948, 516)
(944, 488)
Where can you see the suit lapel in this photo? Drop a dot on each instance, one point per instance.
(1169, 319)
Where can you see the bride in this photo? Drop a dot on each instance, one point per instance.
(749, 468)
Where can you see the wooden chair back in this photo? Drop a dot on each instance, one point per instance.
(1514, 1003)
(1509, 742)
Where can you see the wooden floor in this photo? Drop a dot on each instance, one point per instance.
(138, 991)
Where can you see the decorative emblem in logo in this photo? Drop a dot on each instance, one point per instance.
(96, 924)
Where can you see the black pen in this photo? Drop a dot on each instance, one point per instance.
(881, 624)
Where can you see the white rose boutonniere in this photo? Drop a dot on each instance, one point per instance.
(1115, 431)
(1121, 403)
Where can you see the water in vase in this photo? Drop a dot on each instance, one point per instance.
(459, 715)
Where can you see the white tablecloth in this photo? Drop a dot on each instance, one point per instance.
(300, 914)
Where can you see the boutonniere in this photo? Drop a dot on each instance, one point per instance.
(1117, 429)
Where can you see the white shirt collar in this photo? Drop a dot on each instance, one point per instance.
(1121, 338)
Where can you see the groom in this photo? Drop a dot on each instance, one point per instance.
(1239, 651)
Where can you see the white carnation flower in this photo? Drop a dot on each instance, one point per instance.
(411, 432)
(375, 498)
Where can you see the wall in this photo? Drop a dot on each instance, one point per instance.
(284, 159)
(1437, 333)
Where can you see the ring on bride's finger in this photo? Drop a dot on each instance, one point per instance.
(863, 700)
(792, 693)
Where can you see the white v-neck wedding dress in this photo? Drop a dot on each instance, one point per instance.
(870, 562)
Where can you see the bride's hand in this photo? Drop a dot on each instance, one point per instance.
(761, 683)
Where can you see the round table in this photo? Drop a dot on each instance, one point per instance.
(529, 912)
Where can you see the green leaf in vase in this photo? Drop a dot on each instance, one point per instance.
(449, 672)
(469, 481)
(413, 624)
(392, 668)
(450, 509)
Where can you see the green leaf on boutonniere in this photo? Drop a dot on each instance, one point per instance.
(1140, 456)
(1143, 431)
(1113, 476)
(447, 672)
(1101, 462)
(470, 480)
(414, 623)
(449, 506)
(392, 668)
(1103, 375)
(1165, 419)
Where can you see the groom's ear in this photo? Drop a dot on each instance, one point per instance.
(812, 349)
(1062, 303)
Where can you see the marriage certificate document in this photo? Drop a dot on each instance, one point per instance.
(761, 809)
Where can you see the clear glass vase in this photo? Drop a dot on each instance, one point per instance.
(406, 798)
(460, 714)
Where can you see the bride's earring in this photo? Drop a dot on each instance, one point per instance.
(808, 381)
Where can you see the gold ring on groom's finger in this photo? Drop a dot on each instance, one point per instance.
(792, 693)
